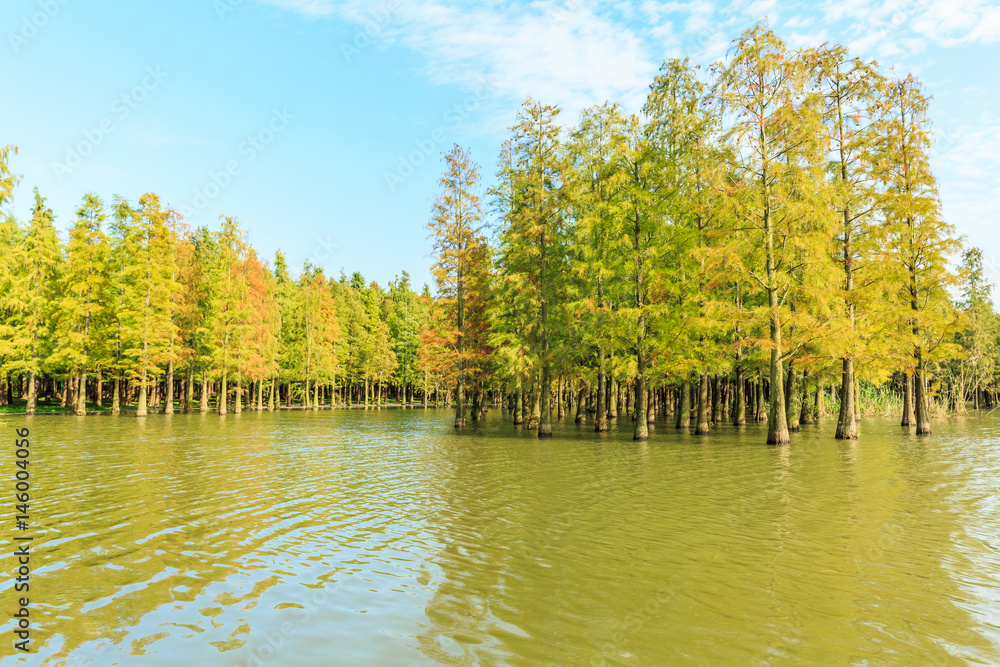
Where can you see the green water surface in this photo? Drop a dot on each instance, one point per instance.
(385, 538)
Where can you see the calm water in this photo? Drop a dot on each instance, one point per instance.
(383, 538)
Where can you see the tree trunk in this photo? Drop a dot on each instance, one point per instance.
(920, 396)
(739, 402)
(203, 406)
(684, 409)
(81, 398)
(141, 409)
(908, 419)
(168, 395)
(460, 418)
(32, 394)
(99, 394)
(702, 427)
(716, 402)
(223, 398)
(545, 400)
(805, 414)
(793, 400)
(518, 406)
(651, 406)
(601, 415)
(760, 414)
(536, 406)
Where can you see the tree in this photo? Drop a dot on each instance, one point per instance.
(461, 260)
(920, 240)
(775, 127)
(320, 330)
(9, 238)
(687, 171)
(37, 260)
(82, 286)
(232, 307)
(533, 239)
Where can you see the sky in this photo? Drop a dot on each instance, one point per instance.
(322, 124)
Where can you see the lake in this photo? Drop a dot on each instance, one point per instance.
(385, 538)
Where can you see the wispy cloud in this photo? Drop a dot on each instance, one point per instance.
(573, 53)
(576, 53)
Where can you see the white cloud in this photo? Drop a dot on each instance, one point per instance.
(576, 53)
(573, 53)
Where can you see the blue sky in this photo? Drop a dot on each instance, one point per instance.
(321, 123)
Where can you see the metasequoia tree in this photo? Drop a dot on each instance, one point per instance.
(920, 239)
(773, 122)
(461, 259)
(533, 238)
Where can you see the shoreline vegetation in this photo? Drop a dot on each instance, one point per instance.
(873, 401)
(763, 242)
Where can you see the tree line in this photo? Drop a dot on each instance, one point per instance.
(135, 309)
(761, 238)
(756, 234)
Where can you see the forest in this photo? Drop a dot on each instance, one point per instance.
(763, 241)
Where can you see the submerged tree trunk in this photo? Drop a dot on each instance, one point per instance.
(641, 431)
(223, 398)
(99, 394)
(545, 400)
(531, 406)
(920, 397)
(805, 414)
(651, 406)
(684, 409)
(716, 400)
(204, 392)
(32, 394)
(739, 402)
(702, 427)
(141, 409)
(793, 400)
(81, 398)
(460, 419)
(189, 390)
(760, 414)
(908, 419)
(168, 395)
(601, 415)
